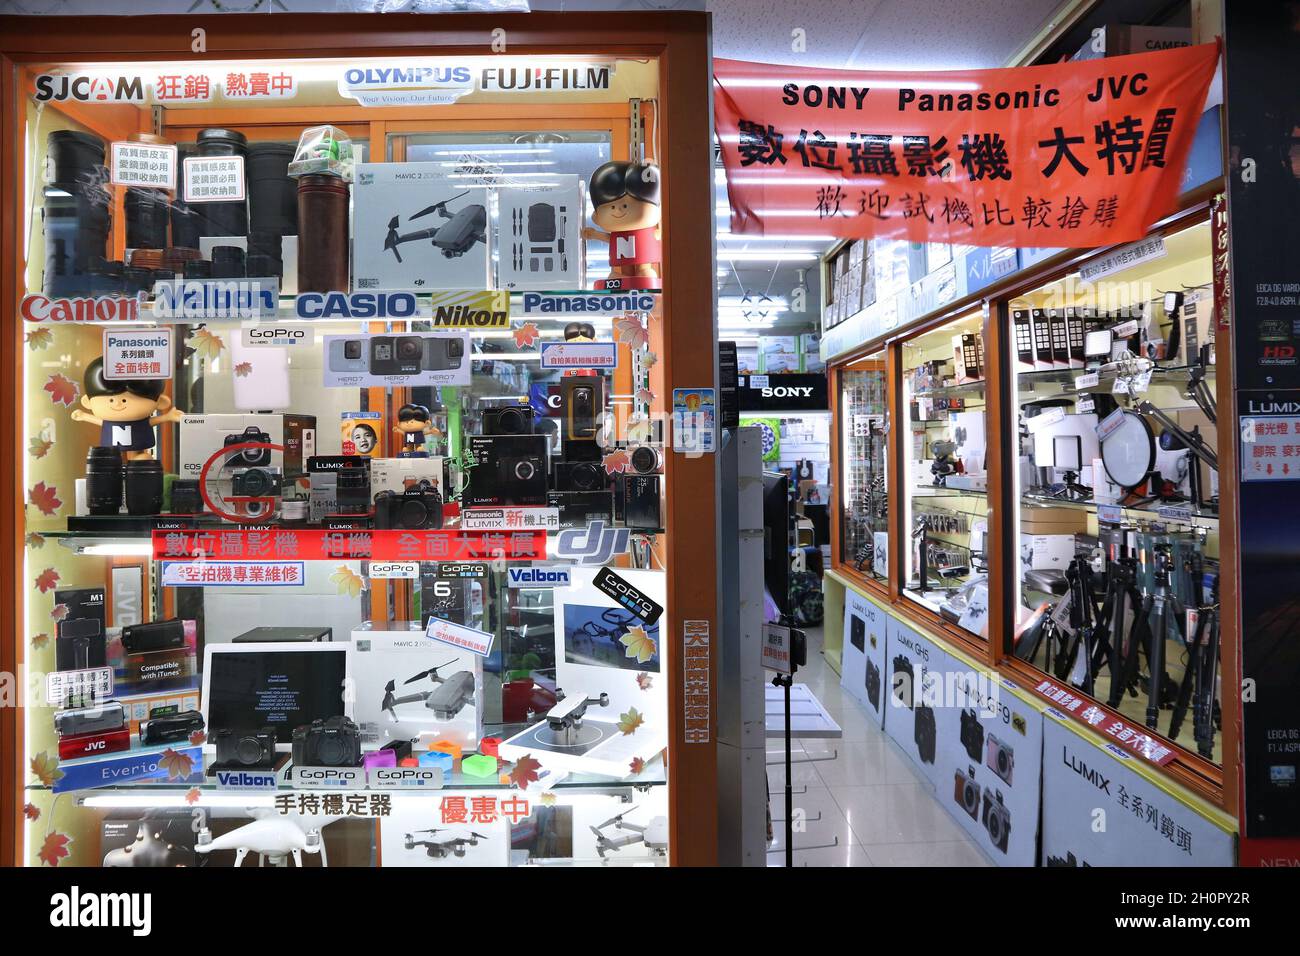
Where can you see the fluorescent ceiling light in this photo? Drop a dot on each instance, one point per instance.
(775, 255)
(726, 235)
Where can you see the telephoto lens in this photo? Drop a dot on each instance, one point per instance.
(322, 234)
(272, 194)
(223, 218)
(144, 486)
(147, 214)
(104, 481)
(75, 214)
(227, 262)
(187, 220)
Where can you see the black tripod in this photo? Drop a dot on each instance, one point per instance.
(1199, 678)
(1160, 602)
(1084, 618)
(1121, 655)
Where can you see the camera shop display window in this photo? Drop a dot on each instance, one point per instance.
(864, 515)
(345, 462)
(946, 473)
(1117, 479)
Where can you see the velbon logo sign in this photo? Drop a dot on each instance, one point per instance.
(554, 577)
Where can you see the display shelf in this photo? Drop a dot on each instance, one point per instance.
(1066, 378)
(1129, 511)
(952, 391)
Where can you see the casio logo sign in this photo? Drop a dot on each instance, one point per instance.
(358, 305)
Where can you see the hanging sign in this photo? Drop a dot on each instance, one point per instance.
(1078, 154)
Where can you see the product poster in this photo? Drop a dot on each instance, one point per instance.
(539, 242)
(361, 433)
(1100, 810)
(454, 828)
(863, 664)
(408, 360)
(695, 420)
(770, 430)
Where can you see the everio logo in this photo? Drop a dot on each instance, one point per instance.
(76, 909)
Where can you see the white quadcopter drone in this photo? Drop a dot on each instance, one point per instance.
(274, 838)
(653, 834)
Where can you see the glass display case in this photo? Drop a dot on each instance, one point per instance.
(864, 494)
(347, 475)
(944, 452)
(1117, 479)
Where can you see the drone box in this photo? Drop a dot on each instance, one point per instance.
(159, 838)
(403, 240)
(450, 710)
(539, 242)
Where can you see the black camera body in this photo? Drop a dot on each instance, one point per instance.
(249, 457)
(80, 644)
(153, 636)
(170, 728)
(857, 632)
(1000, 759)
(996, 819)
(329, 742)
(417, 507)
(923, 732)
(903, 685)
(873, 683)
(580, 476)
(967, 792)
(245, 748)
(972, 734)
(507, 470)
(509, 420)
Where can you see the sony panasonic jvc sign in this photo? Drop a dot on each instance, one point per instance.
(790, 391)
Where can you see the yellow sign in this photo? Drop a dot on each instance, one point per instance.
(471, 310)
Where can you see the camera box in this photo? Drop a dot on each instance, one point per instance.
(539, 238)
(507, 470)
(409, 686)
(162, 838)
(323, 476)
(201, 436)
(392, 474)
(416, 230)
(408, 359)
(1042, 552)
(155, 672)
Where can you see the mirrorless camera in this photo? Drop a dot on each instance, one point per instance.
(903, 680)
(239, 748)
(260, 485)
(397, 354)
(996, 819)
(418, 506)
(923, 732)
(508, 420)
(332, 742)
(248, 457)
(1001, 758)
(507, 470)
(873, 684)
(580, 476)
(972, 733)
(967, 792)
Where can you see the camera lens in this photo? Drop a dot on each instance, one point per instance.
(248, 750)
(352, 349)
(524, 470)
(514, 421)
(455, 348)
(331, 749)
(258, 483)
(412, 513)
(104, 481)
(587, 476)
(409, 349)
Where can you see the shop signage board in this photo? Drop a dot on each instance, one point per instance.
(214, 179)
(697, 706)
(137, 353)
(790, 391)
(356, 545)
(1075, 155)
(233, 574)
(143, 164)
(862, 661)
(1099, 809)
(567, 355)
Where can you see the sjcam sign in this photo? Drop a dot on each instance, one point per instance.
(90, 88)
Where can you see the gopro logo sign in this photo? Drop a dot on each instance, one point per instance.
(277, 335)
(390, 570)
(595, 544)
(538, 577)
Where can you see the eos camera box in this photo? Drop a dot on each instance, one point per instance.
(202, 436)
(416, 230)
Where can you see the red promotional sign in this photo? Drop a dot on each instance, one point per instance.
(1078, 154)
(242, 544)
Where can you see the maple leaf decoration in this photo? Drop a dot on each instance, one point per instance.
(40, 640)
(347, 581)
(31, 811)
(46, 769)
(45, 497)
(649, 360)
(39, 447)
(178, 765)
(629, 722)
(193, 796)
(645, 395)
(197, 738)
(63, 391)
(46, 580)
(205, 344)
(636, 766)
(54, 849)
(527, 335)
(59, 612)
(629, 330)
(644, 681)
(525, 771)
(34, 540)
(617, 462)
(38, 339)
(547, 799)
(640, 645)
(243, 369)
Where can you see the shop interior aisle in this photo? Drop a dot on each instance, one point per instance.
(869, 798)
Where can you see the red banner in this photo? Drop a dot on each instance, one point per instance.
(1073, 155)
(242, 544)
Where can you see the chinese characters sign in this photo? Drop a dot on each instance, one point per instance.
(1270, 448)
(697, 704)
(283, 544)
(143, 164)
(214, 178)
(1079, 154)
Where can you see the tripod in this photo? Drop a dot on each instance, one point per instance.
(1121, 656)
(1084, 618)
(1197, 687)
(1160, 602)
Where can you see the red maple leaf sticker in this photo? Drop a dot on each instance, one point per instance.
(644, 680)
(59, 612)
(527, 335)
(39, 447)
(192, 797)
(197, 738)
(46, 769)
(38, 339)
(178, 765)
(46, 580)
(637, 765)
(31, 811)
(45, 497)
(243, 369)
(617, 462)
(63, 391)
(629, 330)
(54, 849)
(40, 640)
(34, 540)
(525, 771)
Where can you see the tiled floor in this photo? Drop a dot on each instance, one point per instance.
(868, 801)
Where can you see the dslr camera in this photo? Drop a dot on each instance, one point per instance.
(967, 792)
(923, 732)
(873, 684)
(996, 819)
(1000, 759)
(238, 748)
(248, 457)
(329, 742)
(904, 679)
(418, 506)
(972, 733)
(397, 354)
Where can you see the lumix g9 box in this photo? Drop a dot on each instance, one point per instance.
(507, 470)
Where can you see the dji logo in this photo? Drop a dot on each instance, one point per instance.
(595, 544)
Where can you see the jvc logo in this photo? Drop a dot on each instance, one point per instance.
(596, 544)
(76, 909)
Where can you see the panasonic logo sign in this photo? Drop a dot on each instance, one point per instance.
(538, 577)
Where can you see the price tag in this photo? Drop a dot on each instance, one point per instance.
(1042, 420)
(1125, 329)
(1090, 380)
(214, 178)
(143, 164)
(1108, 425)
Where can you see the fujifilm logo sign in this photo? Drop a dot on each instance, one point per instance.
(78, 910)
(538, 577)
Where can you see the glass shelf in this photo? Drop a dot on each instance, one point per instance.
(950, 391)
(1066, 377)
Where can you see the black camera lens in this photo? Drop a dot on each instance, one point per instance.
(525, 469)
(257, 483)
(352, 349)
(104, 481)
(409, 349)
(331, 749)
(587, 476)
(144, 486)
(248, 751)
(412, 513)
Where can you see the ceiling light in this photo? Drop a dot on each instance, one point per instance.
(774, 255)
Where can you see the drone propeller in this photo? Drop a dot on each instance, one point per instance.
(434, 830)
(431, 672)
(390, 241)
(615, 819)
(438, 206)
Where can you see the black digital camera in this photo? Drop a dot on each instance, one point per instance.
(923, 732)
(857, 632)
(239, 748)
(967, 792)
(508, 420)
(580, 476)
(331, 742)
(249, 457)
(996, 819)
(418, 506)
(261, 485)
(972, 734)
(873, 684)
(903, 680)
(170, 728)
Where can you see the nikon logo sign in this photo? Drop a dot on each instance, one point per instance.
(487, 310)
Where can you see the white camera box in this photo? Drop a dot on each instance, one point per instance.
(392, 474)
(415, 230)
(538, 236)
(397, 697)
(1045, 551)
(202, 435)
